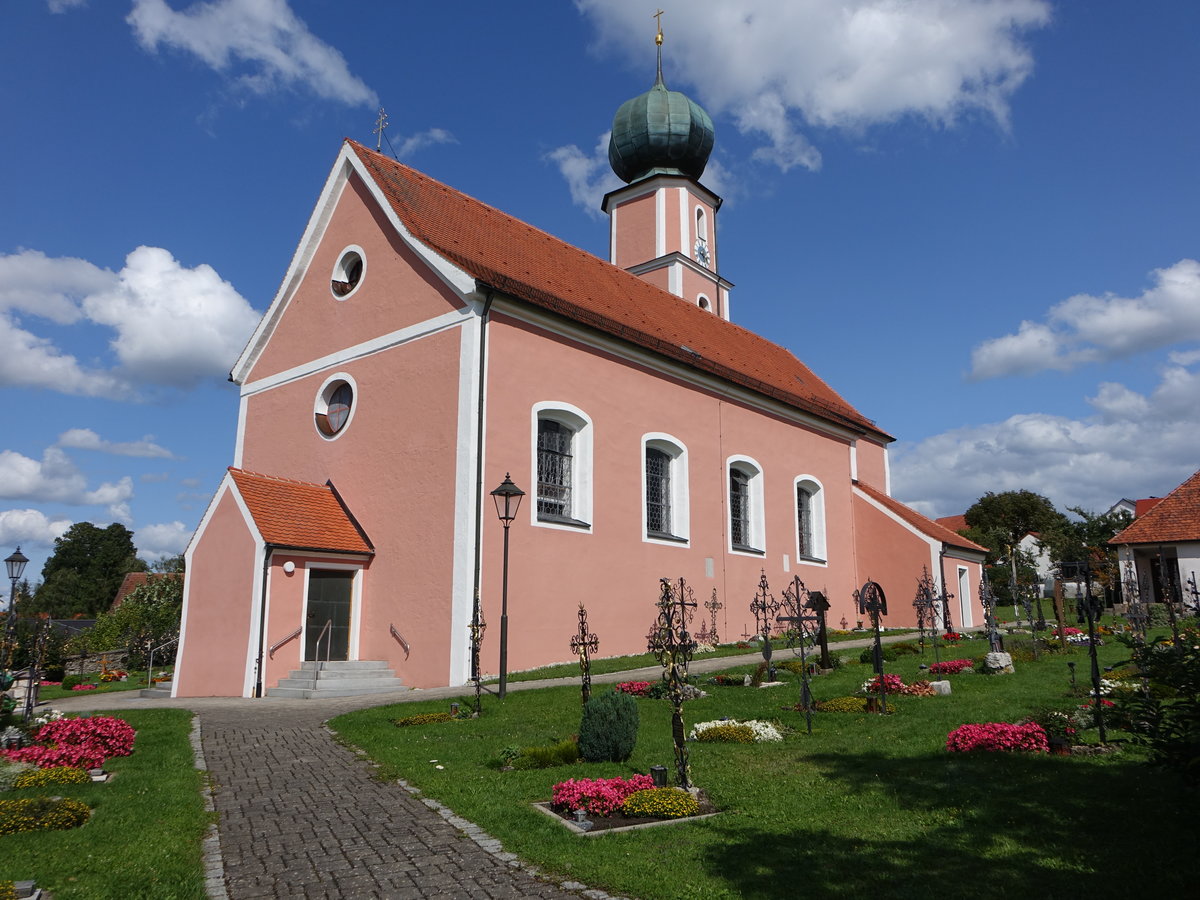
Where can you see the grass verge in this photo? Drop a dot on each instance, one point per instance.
(143, 839)
(866, 804)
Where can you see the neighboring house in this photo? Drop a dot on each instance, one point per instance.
(1030, 545)
(1162, 545)
(423, 344)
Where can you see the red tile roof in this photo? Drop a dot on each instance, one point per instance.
(134, 580)
(1176, 517)
(1143, 506)
(954, 523)
(299, 514)
(922, 523)
(518, 259)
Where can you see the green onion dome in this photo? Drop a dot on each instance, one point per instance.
(660, 132)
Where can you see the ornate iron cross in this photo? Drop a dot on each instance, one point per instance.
(583, 645)
(476, 629)
(713, 604)
(987, 599)
(802, 634)
(765, 608)
(925, 603)
(673, 646)
(871, 602)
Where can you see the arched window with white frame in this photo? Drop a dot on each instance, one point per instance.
(810, 520)
(561, 466)
(665, 501)
(747, 531)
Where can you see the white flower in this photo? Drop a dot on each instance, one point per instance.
(763, 731)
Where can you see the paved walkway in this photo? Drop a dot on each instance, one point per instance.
(299, 815)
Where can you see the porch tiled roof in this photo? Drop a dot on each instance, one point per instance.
(1173, 519)
(299, 514)
(518, 259)
(922, 523)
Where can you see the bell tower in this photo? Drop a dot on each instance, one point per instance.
(663, 224)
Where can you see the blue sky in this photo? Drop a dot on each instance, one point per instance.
(976, 220)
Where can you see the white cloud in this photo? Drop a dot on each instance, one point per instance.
(55, 478)
(61, 6)
(777, 65)
(1084, 329)
(175, 326)
(589, 176)
(429, 138)
(1135, 446)
(49, 287)
(86, 439)
(30, 527)
(264, 40)
(166, 539)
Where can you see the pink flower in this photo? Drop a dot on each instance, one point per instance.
(636, 688)
(998, 737)
(599, 796)
(950, 667)
(82, 743)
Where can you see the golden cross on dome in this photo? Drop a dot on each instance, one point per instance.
(658, 38)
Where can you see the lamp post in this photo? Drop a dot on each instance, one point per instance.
(16, 568)
(507, 498)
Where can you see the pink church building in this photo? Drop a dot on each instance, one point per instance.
(423, 345)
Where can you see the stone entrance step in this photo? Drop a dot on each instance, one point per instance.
(160, 691)
(338, 679)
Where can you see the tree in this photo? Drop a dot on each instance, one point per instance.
(1001, 521)
(86, 568)
(147, 619)
(1087, 539)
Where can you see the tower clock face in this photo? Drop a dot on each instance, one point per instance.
(702, 252)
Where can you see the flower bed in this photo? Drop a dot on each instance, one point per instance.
(661, 803)
(842, 705)
(894, 684)
(998, 737)
(41, 814)
(735, 731)
(950, 666)
(599, 796)
(81, 743)
(634, 688)
(952, 637)
(728, 680)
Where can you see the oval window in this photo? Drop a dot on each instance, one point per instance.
(334, 406)
(347, 273)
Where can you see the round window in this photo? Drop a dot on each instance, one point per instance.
(335, 404)
(348, 273)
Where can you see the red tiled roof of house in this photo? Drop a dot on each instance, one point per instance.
(1176, 517)
(922, 523)
(299, 514)
(1143, 506)
(954, 523)
(511, 256)
(134, 580)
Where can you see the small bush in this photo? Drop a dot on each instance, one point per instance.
(54, 673)
(41, 814)
(727, 734)
(422, 719)
(44, 777)
(661, 803)
(10, 772)
(69, 681)
(608, 730)
(564, 753)
(843, 705)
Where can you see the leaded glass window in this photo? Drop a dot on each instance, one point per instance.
(658, 491)
(739, 508)
(804, 522)
(554, 468)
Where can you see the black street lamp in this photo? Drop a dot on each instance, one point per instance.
(16, 568)
(507, 498)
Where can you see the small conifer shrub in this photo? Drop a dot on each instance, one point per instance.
(608, 730)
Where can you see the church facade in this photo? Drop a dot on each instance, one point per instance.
(423, 346)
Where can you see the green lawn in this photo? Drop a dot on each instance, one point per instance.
(135, 682)
(865, 806)
(143, 839)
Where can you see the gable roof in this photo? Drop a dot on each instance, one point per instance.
(1176, 517)
(1143, 506)
(298, 514)
(511, 256)
(134, 580)
(923, 524)
(954, 523)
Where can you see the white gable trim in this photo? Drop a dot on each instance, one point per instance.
(347, 164)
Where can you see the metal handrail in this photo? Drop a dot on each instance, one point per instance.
(150, 662)
(399, 637)
(327, 630)
(281, 642)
